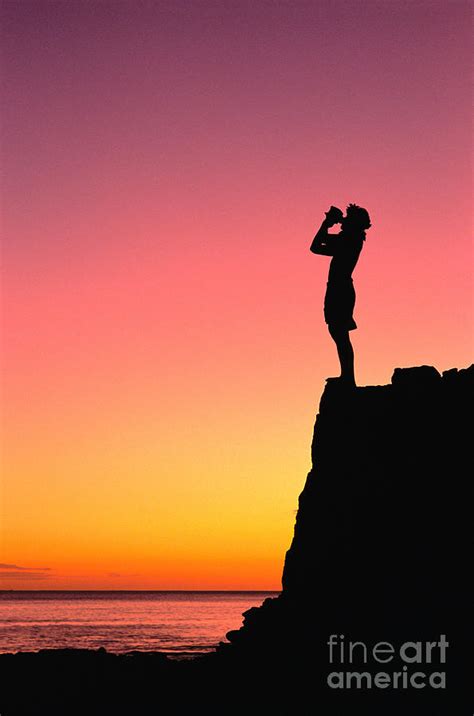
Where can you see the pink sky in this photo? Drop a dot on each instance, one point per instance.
(166, 166)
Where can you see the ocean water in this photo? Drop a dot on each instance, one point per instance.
(180, 624)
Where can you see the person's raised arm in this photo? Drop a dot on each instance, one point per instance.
(324, 243)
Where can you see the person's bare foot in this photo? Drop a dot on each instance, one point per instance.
(342, 381)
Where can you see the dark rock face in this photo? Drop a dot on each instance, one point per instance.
(379, 517)
(424, 376)
(382, 539)
(381, 553)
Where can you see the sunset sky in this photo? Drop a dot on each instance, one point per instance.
(165, 166)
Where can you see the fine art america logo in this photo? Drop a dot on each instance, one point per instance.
(412, 656)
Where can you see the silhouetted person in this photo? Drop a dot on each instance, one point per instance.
(339, 300)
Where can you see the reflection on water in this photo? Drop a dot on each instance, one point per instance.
(177, 623)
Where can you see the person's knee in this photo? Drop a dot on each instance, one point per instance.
(339, 335)
(333, 332)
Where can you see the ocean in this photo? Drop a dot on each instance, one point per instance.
(181, 624)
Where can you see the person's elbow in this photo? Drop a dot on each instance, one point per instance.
(319, 249)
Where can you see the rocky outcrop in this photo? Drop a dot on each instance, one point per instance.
(382, 544)
(379, 516)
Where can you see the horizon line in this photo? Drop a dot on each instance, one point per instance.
(141, 590)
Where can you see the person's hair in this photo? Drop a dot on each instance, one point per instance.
(358, 216)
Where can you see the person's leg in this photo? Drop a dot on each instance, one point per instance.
(345, 353)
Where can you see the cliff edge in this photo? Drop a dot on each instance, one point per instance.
(381, 550)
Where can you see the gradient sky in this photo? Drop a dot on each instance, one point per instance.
(165, 167)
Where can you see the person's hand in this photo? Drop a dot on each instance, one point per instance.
(333, 216)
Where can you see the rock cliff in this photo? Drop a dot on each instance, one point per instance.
(381, 547)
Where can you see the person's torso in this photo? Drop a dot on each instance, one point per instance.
(346, 254)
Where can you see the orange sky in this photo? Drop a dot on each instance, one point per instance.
(163, 338)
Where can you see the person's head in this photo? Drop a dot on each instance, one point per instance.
(356, 219)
